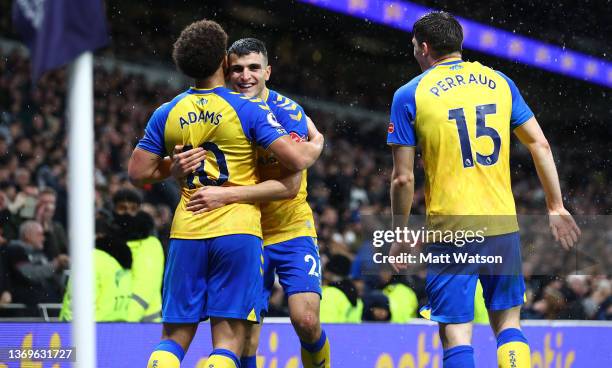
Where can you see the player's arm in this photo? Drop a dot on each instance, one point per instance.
(285, 187)
(402, 184)
(209, 198)
(402, 192)
(402, 138)
(562, 224)
(299, 156)
(146, 167)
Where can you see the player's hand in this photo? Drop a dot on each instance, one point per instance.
(563, 228)
(209, 198)
(396, 250)
(185, 163)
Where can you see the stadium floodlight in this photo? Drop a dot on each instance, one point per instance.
(483, 38)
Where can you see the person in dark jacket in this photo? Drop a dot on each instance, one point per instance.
(34, 278)
(56, 242)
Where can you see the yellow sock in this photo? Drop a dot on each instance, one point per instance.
(316, 355)
(221, 358)
(513, 350)
(163, 359)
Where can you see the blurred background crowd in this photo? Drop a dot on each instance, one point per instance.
(347, 186)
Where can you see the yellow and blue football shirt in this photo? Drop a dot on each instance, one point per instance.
(291, 218)
(461, 114)
(228, 125)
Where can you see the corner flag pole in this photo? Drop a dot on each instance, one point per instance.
(81, 207)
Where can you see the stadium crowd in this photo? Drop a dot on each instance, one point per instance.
(347, 188)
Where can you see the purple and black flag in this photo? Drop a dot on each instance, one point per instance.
(57, 31)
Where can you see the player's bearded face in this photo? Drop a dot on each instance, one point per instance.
(248, 74)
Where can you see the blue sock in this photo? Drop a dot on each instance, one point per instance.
(317, 345)
(171, 346)
(248, 362)
(509, 335)
(461, 356)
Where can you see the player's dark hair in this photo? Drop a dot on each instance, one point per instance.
(441, 31)
(245, 46)
(200, 48)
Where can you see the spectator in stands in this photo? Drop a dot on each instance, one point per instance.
(575, 294)
(377, 308)
(8, 222)
(56, 242)
(403, 301)
(136, 227)
(34, 278)
(551, 303)
(340, 301)
(597, 305)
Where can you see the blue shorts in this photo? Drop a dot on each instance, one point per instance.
(297, 264)
(451, 287)
(217, 277)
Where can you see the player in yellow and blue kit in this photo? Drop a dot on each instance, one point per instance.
(461, 114)
(214, 267)
(287, 223)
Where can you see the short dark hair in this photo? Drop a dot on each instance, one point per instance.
(127, 195)
(245, 46)
(200, 49)
(441, 31)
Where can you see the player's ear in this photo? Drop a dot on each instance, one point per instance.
(425, 50)
(225, 65)
(268, 72)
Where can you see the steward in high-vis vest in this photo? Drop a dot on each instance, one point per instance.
(112, 288)
(340, 301)
(147, 274)
(136, 228)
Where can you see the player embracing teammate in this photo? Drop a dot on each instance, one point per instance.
(461, 114)
(289, 235)
(215, 261)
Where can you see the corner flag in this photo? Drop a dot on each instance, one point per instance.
(57, 31)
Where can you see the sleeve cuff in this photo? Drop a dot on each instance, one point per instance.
(151, 150)
(514, 126)
(274, 140)
(396, 143)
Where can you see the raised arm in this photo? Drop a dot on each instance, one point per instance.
(562, 224)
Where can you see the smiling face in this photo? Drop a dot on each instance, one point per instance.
(248, 73)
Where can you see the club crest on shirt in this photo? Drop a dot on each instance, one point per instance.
(272, 120)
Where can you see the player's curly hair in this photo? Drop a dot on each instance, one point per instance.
(200, 48)
(441, 31)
